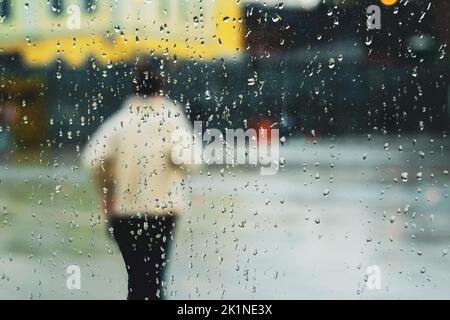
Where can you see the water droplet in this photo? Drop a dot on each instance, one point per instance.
(404, 176)
(331, 63)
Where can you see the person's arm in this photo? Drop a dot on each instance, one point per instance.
(97, 157)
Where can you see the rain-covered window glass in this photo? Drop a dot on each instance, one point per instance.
(57, 7)
(90, 5)
(224, 149)
(5, 9)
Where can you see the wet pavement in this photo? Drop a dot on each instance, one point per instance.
(336, 207)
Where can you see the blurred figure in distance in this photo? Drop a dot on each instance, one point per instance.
(142, 190)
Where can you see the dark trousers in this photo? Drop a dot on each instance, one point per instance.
(144, 243)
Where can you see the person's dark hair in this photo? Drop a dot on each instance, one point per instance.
(147, 79)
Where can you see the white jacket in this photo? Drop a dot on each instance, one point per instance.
(133, 150)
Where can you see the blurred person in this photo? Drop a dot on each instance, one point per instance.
(143, 191)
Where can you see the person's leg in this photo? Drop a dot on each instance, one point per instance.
(144, 243)
(143, 277)
(123, 231)
(163, 238)
(152, 247)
